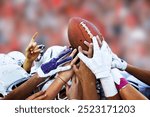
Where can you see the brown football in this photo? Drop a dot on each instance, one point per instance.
(80, 30)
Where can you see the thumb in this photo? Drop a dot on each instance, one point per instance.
(75, 69)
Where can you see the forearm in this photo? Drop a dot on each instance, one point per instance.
(27, 65)
(54, 89)
(89, 89)
(24, 90)
(130, 93)
(143, 75)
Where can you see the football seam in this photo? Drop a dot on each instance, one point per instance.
(82, 32)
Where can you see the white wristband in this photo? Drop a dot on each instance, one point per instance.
(109, 86)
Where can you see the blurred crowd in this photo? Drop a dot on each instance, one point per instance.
(125, 24)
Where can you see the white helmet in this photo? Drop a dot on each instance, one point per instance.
(17, 56)
(51, 52)
(11, 76)
(5, 59)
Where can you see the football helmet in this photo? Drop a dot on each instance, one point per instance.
(17, 56)
(5, 59)
(11, 76)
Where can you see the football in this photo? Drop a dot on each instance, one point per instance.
(80, 30)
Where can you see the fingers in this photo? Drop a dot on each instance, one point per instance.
(42, 97)
(83, 57)
(80, 49)
(34, 36)
(73, 53)
(74, 61)
(64, 53)
(95, 44)
(31, 46)
(37, 51)
(38, 95)
(73, 80)
(89, 53)
(65, 68)
(77, 80)
(87, 43)
(34, 48)
(64, 61)
(32, 43)
(75, 69)
(105, 48)
(67, 89)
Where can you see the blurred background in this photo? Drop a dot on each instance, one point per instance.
(124, 23)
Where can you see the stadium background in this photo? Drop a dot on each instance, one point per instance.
(126, 22)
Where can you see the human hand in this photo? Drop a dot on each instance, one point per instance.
(74, 91)
(32, 50)
(100, 63)
(85, 76)
(38, 96)
(66, 75)
(118, 63)
(55, 65)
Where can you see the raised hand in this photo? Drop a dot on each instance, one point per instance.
(118, 63)
(55, 65)
(100, 63)
(32, 50)
(66, 75)
(74, 91)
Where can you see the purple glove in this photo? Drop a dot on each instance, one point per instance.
(53, 66)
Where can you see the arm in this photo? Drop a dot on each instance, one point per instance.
(31, 53)
(130, 93)
(143, 75)
(88, 82)
(37, 96)
(46, 70)
(24, 90)
(100, 65)
(126, 91)
(61, 79)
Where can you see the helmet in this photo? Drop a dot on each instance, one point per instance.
(11, 76)
(5, 59)
(17, 56)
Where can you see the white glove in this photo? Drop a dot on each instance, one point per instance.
(116, 75)
(118, 63)
(100, 64)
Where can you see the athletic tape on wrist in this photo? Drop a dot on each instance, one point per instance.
(123, 83)
(109, 86)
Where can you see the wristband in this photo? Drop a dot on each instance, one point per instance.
(61, 79)
(123, 83)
